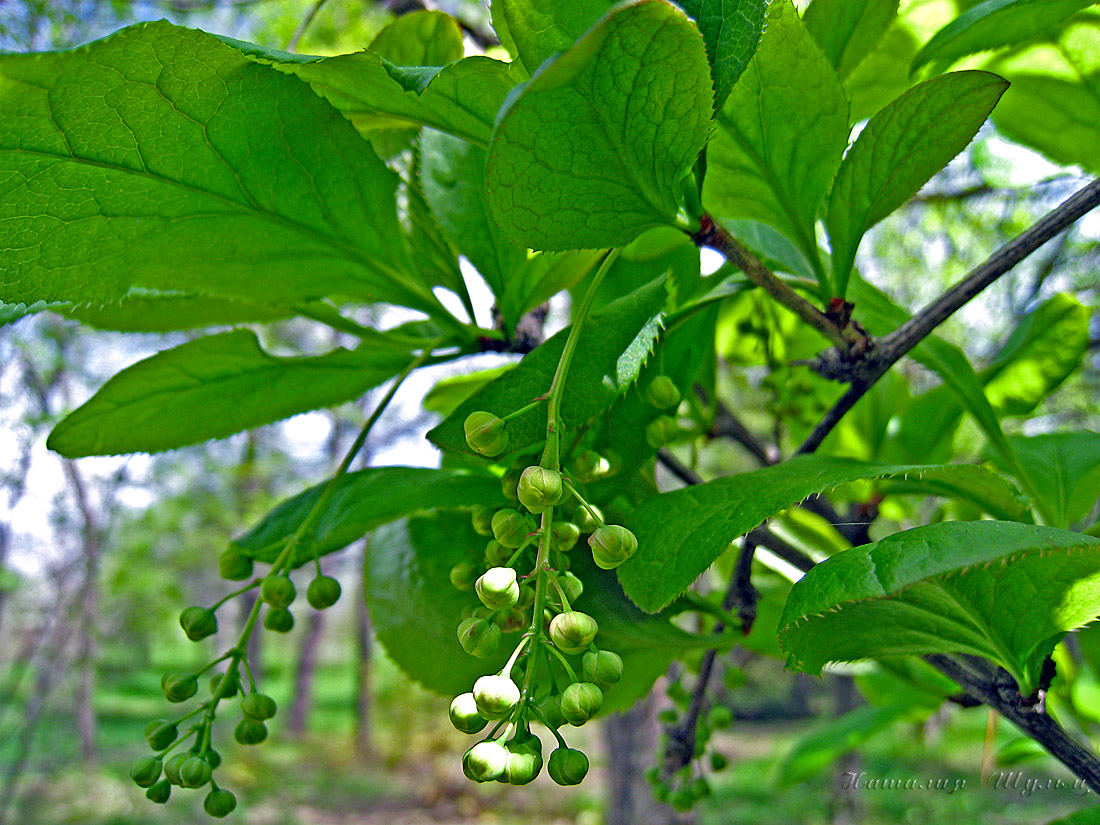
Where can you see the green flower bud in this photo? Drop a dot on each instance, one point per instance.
(145, 771)
(662, 393)
(511, 621)
(603, 668)
(550, 708)
(611, 546)
(497, 588)
(539, 489)
(566, 534)
(160, 733)
(233, 683)
(279, 620)
(213, 758)
(495, 696)
(496, 554)
(250, 731)
(234, 565)
(486, 434)
(172, 768)
(195, 772)
(464, 715)
(567, 766)
(718, 761)
(573, 632)
(511, 528)
(485, 761)
(660, 431)
(588, 466)
(571, 585)
(509, 483)
(159, 792)
(258, 706)
(219, 803)
(463, 575)
(483, 520)
(198, 623)
(278, 591)
(323, 592)
(524, 759)
(479, 637)
(580, 702)
(179, 687)
(585, 520)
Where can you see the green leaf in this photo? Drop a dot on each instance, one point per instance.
(995, 24)
(10, 313)
(899, 150)
(615, 343)
(449, 393)
(731, 30)
(362, 501)
(416, 612)
(1002, 590)
(783, 132)
(1053, 104)
(682, 532)
(535, 30)
(161, 158)
(1085, 816)
(420, 38)
(592, 151)
(1064, 470)
(166, 313)
(848, 30)
(213, 387)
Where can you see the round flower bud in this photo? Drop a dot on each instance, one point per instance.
(234, 565)
(323, 592)
(611, 546)
(588, 465)
(464, 715)
(172, 768)
(567, 766)
(573, 632)
(511, 528)
(566, 534)
(585, 520)
(258, 706)
(213, 758)
(160, 733)
(478, 637)
(509, 483)
(179, 687)
(145, 771)
(485, 761)
(580, 702)
(219, 803)
(497, 588)
(660, 431)
(159, 792)
(524, 759)
(511, 621)
(550, 708)
(539, 489)
(198, 623)
(483, 520)
(496, 554)
(662, 393)
(572, 587)
(495, 696)
(232, 685)
(463, 575)
(278, 591)
(718, 761)
(195, 772)
(250, 731)
(279, 619)
(486, 434)
(603, 668)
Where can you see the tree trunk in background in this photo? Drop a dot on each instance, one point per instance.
(631, 742)
(307, 667)
(363, 744)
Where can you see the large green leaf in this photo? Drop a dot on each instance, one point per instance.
(534, 30)
(1002, 590)
(592, 151)
(731, 30)
(614, 344)
(166, 313)
(420, 38)
(362, 501)
(847, 30)
(213, 387)
(783, 131)
(416, 611)
(995, 24)
(1064, 471)
(162, 158)
(682, 532)
(1054, 101)
(899, 150)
